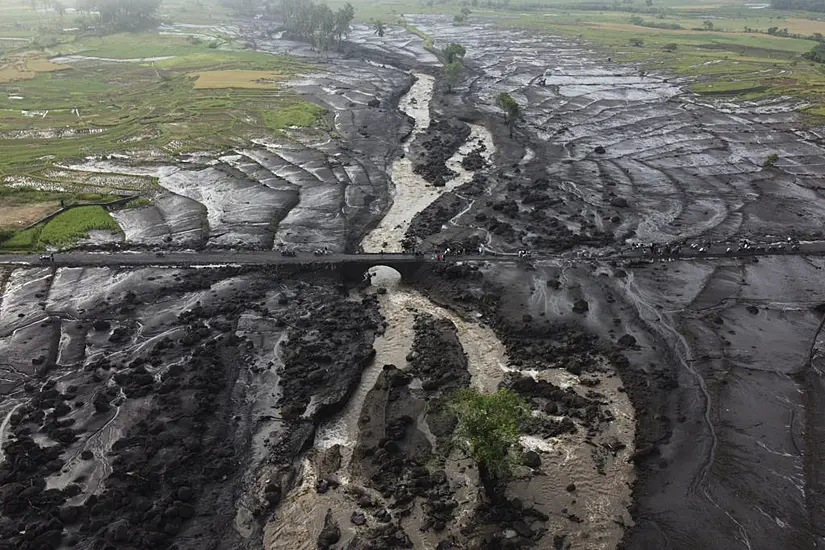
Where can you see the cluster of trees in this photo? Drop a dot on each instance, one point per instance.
(785, 33)
(317, 23)
(121, 14)
(807, 5)
(453, 64)
(55, 5)
(641, 22)
(462, 16)
(817, 54)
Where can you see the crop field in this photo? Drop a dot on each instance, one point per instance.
(63, 230)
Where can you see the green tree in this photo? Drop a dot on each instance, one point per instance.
(489, 426)
(707, 24)
(323, 25)
(343, 19)
(123, 14)
(510, 108)
(453, 72)
(770, 162)
(379, 28)
(453, 52)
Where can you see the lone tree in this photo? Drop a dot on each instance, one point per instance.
(453, 72)
(511, 109)
(489, 427)
(453, 52)
(379, 28)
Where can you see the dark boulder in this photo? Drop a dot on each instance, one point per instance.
(531, 459)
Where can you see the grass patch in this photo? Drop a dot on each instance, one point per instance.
(237, 78)
(68, 227)
(727, 87)
(137, 202)
(301, 114)
(130, 46)
(24, 240)
(428, 40)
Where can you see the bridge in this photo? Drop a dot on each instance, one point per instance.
(353, 266)
(350, 266)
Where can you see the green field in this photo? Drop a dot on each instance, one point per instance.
(63, 230)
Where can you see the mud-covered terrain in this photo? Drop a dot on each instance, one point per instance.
(722, 356)
(132, 399)
(301, 190)
(675, 404)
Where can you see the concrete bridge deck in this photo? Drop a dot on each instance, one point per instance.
(207, 258)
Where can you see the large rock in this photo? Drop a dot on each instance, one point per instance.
(531, 459)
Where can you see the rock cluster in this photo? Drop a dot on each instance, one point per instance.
(433, 149)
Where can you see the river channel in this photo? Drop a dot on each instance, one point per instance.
(601, 498)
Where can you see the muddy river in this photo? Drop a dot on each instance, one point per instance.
(601, 498)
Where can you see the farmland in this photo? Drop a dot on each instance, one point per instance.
(68, 95)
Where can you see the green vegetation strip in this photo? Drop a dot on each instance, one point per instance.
(63, 230)
(301, 114)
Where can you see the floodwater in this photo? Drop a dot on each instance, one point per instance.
(412, 193)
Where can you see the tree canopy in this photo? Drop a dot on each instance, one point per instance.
(122, 14)
(511, 109)
(489, 426)
(453, 73)
(317, 22)
(453, 52)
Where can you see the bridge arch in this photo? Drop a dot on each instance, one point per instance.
(355, 270)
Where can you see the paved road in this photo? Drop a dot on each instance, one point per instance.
(223, 257)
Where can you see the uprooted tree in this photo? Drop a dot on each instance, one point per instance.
(489, 426)
(510, 108)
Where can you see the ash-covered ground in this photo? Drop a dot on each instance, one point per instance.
(676, 404)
